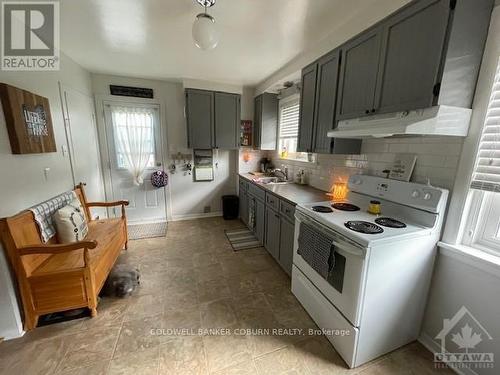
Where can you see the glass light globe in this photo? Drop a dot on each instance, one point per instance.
(205, 34)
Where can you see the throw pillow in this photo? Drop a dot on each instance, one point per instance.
(70, 222)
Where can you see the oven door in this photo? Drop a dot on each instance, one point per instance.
(333, 263)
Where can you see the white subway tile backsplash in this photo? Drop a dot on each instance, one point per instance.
(437, 160)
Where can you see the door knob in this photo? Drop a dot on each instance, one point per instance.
(367, 111)
(373, 110)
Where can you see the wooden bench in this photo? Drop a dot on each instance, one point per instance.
(56, 277)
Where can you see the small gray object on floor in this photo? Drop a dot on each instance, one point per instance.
(241, 239)
(122, 281)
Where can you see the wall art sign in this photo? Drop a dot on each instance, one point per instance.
(28, 121)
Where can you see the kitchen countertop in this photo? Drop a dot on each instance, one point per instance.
(293, 193)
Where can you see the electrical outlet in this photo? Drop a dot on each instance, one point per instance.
(207, 209)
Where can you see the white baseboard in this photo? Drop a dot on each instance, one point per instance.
(13, 335)
(434, 347)
(195, 216)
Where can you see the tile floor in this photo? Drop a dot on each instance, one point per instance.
(192, 280)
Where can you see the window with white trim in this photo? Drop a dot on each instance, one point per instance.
(288, 130)
(482, 227)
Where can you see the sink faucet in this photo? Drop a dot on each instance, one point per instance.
(281, 175)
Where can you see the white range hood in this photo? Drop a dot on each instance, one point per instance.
(438, 120)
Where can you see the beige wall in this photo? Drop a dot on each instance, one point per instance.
(23, 182)
(185, 198)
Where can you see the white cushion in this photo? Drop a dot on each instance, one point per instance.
(70, 222)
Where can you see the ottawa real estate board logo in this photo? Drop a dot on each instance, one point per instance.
(464, 343)
(30, 35)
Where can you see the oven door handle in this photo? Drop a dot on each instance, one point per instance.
(349, 249)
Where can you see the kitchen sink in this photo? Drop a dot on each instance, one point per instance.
(271, 181)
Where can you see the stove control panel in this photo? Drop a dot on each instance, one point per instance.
(420, 196)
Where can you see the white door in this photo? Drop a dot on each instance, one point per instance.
(81, 133)
(135, 135)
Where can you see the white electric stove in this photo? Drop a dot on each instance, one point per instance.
(364, 278)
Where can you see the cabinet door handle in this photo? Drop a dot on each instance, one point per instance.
(373, 110)
(367, 111)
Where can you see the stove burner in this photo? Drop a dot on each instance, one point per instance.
(324, 209)
(363, 227)
(390, 222)
(345, 207)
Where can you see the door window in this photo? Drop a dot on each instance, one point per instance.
(134, 130)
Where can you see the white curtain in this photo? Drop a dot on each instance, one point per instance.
(133, 129)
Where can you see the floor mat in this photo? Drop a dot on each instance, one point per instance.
(241, 239)
(150, 230)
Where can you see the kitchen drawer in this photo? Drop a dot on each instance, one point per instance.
(272, 201)
(257, 192)
(287, 210)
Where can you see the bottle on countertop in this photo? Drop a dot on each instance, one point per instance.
(301, 177)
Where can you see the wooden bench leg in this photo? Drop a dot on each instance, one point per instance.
(30, 322)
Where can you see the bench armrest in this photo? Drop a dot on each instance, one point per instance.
(107, 204)
(122, 203)
(57, 249)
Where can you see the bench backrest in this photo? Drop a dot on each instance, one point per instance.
(21, 230)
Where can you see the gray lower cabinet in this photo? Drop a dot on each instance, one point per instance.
(265, 126)
(260, 220)
(243, 198)
(213, 119)
(272, 242)
(200, 118)
(287, 231)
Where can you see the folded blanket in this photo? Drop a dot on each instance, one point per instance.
(43, 213)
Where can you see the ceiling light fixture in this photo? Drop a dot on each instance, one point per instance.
(205, 33)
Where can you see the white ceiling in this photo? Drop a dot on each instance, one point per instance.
(152, 38)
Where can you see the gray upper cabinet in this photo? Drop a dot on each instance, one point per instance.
(326, 95)
(265, 126)
(412, 47)
(426, 53)
(317, 111)
(200, 118)
(358, 75)
(257, 121)
(213, 119)
(307, 100)
(227, 120)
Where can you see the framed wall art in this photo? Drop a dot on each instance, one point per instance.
(28, 121)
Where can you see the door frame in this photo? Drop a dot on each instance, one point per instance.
(100, 102)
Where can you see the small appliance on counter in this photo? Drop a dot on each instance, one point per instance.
(265, 165)
(301, 178)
